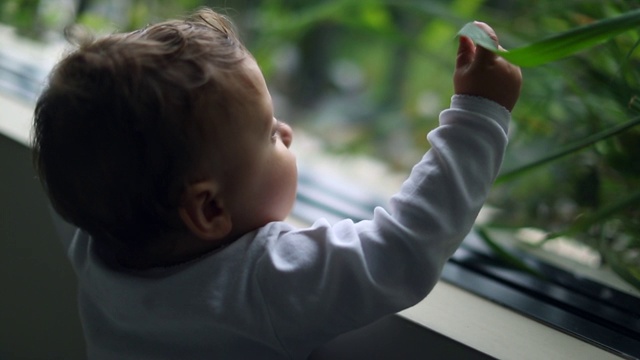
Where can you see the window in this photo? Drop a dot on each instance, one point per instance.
(363, 82)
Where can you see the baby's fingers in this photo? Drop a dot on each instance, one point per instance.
(483, 55)
(466, 52)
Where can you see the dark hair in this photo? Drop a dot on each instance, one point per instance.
(117, 130)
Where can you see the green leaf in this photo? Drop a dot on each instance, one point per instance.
(473, 32)
(558, 46)
(585, 222)
(505, 255)
(627, 272)
(569, 149)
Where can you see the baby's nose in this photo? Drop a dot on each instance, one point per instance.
(286, 134)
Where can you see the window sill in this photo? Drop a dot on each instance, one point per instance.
(15, 121)
(495, 330)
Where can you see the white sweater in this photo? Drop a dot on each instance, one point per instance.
(280, 292)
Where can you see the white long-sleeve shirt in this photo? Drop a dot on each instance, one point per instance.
(280, 292)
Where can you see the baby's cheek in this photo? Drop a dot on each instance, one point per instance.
(287, 182)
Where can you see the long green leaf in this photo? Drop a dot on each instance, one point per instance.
(505, 255)
(582, 224)
(561, 45)
(627, 272)
(569, 149)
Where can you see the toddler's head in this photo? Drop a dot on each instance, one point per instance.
(162, 143)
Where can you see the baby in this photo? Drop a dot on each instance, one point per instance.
(161, 146)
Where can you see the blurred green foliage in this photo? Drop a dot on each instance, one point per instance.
(370, 76)
(21, 14)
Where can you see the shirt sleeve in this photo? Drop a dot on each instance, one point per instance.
(325, 280)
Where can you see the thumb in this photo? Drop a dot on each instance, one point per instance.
(485, 56)
(466, 52)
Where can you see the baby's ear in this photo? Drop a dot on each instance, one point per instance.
(203, 211)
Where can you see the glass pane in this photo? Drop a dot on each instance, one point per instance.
(362, 82)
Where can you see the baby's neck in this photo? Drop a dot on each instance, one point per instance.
(185, 249)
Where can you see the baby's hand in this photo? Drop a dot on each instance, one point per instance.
(480, 72)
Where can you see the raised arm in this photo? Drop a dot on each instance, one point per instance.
(324, 280)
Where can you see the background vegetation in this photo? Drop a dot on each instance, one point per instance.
(370, 76)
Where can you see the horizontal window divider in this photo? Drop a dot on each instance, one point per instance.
(600, 321)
